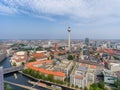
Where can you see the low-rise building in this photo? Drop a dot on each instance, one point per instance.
(39, 55)
(82, 75)
(118, 75)
(109, 76)
(46, 67)
(19, 58)
(64, 66)
(114, 67)
(57, 52)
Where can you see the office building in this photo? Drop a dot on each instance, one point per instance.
(87, 41)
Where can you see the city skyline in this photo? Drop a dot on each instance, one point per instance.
(46, 19)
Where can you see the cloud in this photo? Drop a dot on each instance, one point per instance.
(77, 10)
(6, 10)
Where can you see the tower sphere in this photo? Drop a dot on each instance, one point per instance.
(69, 29)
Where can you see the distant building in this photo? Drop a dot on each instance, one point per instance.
(87, 41)
(55, 46)
(57, 52)
(19, 58)
(49, 43)
(118, 46)
(1, 79)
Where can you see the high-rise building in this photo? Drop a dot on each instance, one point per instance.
(49, 43)
(1, 79)
(69, 38)
(87, 41)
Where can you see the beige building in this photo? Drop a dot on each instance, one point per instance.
(114, 67)
(19, 58)
(39, 55)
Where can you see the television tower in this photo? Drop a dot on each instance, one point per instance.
(69, 38)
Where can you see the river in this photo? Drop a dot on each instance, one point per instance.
(21, 78)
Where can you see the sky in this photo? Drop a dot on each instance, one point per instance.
(49, 19)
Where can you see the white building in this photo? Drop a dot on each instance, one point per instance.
(19, 58)
(109, 76)
(118, 46)
(114, 67)
(82, 75)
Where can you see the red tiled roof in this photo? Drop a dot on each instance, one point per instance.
(78, 77)
(93, 66)
(30, 65)
(110, 51)
(58, 52)
(82, 64)
(38, 55)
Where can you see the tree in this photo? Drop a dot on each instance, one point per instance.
(85, 88)
(101, 84)
(43, 76)
(76, 86)
(14, 64)
(52, 57)
(68, 84)
(94, 85)
(97, 86)
(91, 88)
(72, 85)
(23, 63)
(70, 57)
(117, 84)
(81, 88)
(106, 88)
(7, 87)
(32, 60)
(59, 82)
(50, 77)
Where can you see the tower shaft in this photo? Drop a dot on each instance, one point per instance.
(69, 40)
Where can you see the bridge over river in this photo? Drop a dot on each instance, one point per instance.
(12, 69)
